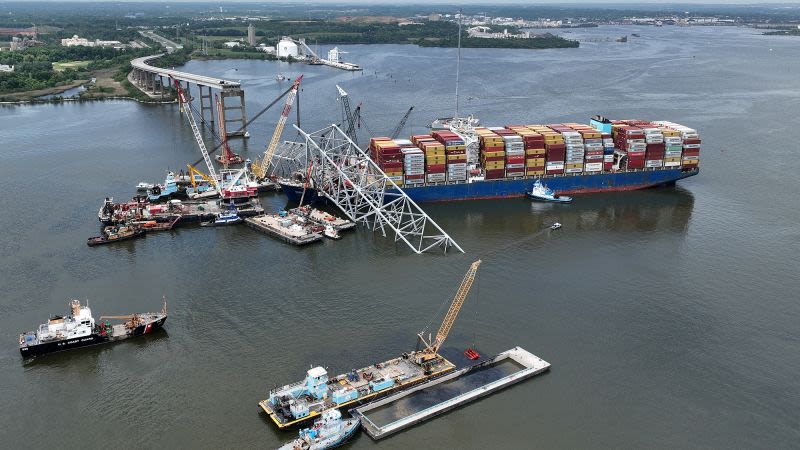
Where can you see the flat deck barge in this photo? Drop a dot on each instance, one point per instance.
(402, 410)
(299, 402)
(283, 228)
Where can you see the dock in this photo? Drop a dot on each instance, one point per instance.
(283, 228)
(405, 409)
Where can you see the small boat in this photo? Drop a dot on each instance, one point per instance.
(331, 233)
(79, 329)
(144, 186)
(165, 191)
(228, 217)
(115, 234)
(555, 226)
(280, 77)
(545, 194)
(328, 432)
(106, 213)
(233, 158)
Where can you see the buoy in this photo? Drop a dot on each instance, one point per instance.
(471, 354)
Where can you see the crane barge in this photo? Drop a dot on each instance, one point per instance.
(301, 401)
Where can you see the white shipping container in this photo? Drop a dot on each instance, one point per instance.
(672, 154)
(672, 164)
(554, 165)
(593, 166)
(608, 158)
(578, 170)
(690, 158)
(593, 141)
(691, 146)
(654, 163)
(608, 142)
(515, 166)
(436, 177)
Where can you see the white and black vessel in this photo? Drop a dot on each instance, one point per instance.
(328, 432)
(79, 329)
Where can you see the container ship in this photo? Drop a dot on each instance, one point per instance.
(79, 329)
(570, 158)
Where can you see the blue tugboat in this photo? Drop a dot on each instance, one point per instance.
(542, 193)
(227, 217)
(328, 432)
(165, 191)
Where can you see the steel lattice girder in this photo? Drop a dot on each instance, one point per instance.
(289, 157)
(345, 174)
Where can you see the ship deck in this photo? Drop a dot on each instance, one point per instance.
(404, 371)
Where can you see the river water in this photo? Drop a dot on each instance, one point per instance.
(670, 316)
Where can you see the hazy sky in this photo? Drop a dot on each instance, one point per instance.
(453, 2)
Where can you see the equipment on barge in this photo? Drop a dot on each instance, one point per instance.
(79, 329)
(115, 233)
(301, 401)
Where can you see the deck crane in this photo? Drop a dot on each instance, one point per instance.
(349, 116)
(431, 350)
(183, 100)
(402, 124)
(259, 168)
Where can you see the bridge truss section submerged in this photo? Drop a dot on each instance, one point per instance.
(344, 174)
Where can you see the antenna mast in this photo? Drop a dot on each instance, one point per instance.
(458, 64)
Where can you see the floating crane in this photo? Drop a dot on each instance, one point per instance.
(402, 124)
(431, 350)
(260, 168)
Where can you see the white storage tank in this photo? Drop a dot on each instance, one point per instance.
(287, 48)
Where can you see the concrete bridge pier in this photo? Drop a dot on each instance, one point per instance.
(206, 103)
(239, 122)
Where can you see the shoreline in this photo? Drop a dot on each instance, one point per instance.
(78, 99)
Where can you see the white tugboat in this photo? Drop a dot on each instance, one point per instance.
(79, 329)
(542, 193)
(328, 432)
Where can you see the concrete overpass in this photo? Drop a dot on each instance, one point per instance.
(151, 80)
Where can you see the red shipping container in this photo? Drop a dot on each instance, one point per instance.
(554, 171)
(494, 158)
(435, 168)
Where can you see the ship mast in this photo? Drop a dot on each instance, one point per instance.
(458, 63)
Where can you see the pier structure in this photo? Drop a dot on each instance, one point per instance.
(344, 174)
(155, 81)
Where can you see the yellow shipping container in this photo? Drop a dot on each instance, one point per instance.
(678, 159)
(456, 157)
(494, 154)
(573, 166)
(456, 147)
(492, 165)
(534, 162)
(534, 172)
(535, 151)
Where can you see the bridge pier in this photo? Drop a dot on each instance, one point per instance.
(240, 129)
(206, 104)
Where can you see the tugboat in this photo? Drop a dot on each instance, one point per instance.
(79, 329)
(115, 234)
(543, 193)
(228, 217)
(106, 213)
(163, 192)
(144, 186)
(328, 432)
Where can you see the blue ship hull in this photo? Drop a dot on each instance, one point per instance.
(519, 187)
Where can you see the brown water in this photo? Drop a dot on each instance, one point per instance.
(670, 316)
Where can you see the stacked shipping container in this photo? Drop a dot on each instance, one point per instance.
(492, 153)
(536, 150)
(456, 151)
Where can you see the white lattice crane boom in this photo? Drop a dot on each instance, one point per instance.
(260, 167)
(186, 107)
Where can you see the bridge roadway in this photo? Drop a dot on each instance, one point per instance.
(200, 80)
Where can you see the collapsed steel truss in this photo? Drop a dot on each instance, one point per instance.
(344, 174)
(289, 158)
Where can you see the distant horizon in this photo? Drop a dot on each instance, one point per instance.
(435, 2)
